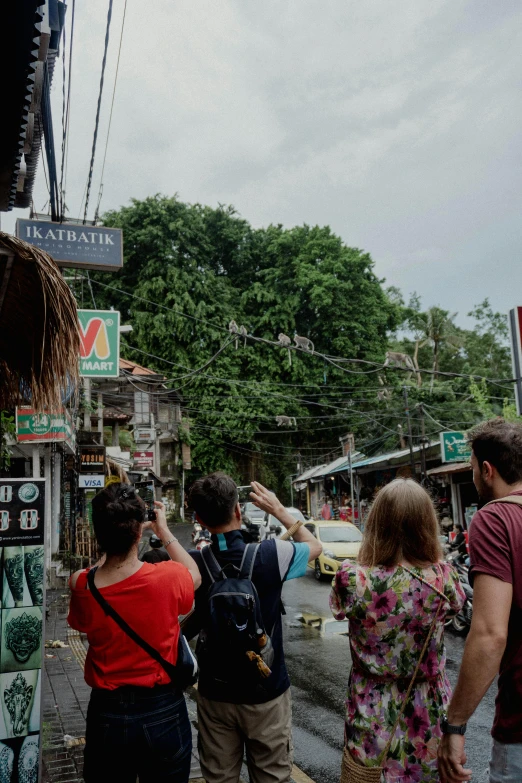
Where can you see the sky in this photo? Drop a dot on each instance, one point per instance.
(398, 124)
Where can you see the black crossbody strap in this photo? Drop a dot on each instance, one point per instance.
(107, 608)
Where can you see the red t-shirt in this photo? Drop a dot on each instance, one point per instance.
(151, 601)
(495, 543)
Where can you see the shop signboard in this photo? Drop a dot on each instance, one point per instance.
(515, 331)
(185, 456)
(144, 434)
(99, 343)
(91, 482)
(454, 447)
(143, 459)
(74, 245)
(22, 528)
(46, 426)
(92, 459)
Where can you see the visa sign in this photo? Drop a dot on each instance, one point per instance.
(99, 343)
(91, 482)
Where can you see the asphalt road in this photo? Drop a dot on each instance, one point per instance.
(318, 659)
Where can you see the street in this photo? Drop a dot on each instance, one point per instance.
(318, 660)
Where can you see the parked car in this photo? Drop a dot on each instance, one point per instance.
(341, 541)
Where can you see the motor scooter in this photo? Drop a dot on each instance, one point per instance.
(202, 539)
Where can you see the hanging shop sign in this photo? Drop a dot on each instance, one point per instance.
(99, 343)
(185, 456)
(22, 528)
(91, 482)
(144, 434)
(515, 331)
(44, 426)
(454, 447)
(143, 459)
(92, 459)
(75, 245)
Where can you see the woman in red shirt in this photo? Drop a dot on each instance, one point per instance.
(137, 721)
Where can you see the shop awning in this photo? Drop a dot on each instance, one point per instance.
(397, 458)
(450, 467)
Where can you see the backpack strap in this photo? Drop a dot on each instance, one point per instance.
(246, 569)
(508, 499)
(211, 564)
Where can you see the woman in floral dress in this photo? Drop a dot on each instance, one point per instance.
(390, 598)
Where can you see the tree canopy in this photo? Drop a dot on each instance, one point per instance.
(191, 269)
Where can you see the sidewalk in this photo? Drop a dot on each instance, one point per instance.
(66, 697)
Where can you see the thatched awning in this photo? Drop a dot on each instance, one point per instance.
(39, 336)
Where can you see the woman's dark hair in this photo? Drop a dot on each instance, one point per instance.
(214, 498)
(117, 515)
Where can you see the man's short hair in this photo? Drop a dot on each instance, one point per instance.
(499, 442)
(214, 498)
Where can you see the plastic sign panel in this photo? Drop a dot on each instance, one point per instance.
(75, 245)
(22, 523)
(99, 343)
(143, 459)
(454, 447)
(44, 426)
(144, 434)
(91, 482)
(515, 330)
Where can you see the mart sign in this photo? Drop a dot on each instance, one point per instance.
(454, 447)
(99, 343)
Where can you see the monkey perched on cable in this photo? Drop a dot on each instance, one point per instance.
(233, 328)
(286, 421)
(285, 342)
(304, 343)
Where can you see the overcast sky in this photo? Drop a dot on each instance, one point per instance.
(396, 123)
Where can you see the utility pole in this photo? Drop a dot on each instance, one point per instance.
(408, 419)
(423, 441)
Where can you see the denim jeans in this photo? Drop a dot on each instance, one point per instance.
(137, 732)
(506, 763)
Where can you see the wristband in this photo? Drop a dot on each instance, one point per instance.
(450, 728)
(291, 530)
(170, 541)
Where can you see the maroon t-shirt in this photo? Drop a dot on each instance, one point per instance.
(495, 544)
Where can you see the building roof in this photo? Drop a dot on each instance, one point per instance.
(450, 467)
(133, 368)
(398, 457)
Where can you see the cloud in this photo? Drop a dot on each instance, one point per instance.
(396, 123)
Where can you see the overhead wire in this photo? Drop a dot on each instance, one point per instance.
(97, 120)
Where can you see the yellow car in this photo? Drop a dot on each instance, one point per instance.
(341, 541)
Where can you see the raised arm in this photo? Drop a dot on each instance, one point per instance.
(268, 501)
(175, 551)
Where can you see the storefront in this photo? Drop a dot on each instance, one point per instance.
(456, 479)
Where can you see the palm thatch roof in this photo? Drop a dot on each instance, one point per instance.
(39, 335)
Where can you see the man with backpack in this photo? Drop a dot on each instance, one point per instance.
(244, 689)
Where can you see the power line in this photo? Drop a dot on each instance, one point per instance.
(96, 213)
(97, 121)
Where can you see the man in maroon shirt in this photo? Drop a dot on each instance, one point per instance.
(495, 639)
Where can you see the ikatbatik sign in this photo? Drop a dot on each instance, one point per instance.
(22, 529)
(34, 426)
(99, 343)
(454, 447)
(75, 245)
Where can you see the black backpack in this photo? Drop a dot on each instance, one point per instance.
(233, 644)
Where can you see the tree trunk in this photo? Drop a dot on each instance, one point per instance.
(416, 363)
(435, 363)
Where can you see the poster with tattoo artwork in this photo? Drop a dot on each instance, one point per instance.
(22, 559)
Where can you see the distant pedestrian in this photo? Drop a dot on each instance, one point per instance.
(495, 638)
(243, 691)
(137, 722)
(396, 598)
(326, 510)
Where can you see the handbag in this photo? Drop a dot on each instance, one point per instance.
(353, 771)
(183, 673)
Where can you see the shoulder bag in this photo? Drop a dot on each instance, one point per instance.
(353, 771)
(182, 674)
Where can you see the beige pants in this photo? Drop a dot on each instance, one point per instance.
(264, 730)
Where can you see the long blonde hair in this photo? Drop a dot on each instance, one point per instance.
(402, 525)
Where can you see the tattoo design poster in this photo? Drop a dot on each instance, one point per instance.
(22, 559)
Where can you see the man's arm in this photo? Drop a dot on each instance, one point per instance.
(267, 501)
(483, 652)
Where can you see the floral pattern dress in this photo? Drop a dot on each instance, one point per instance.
(390, 611)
